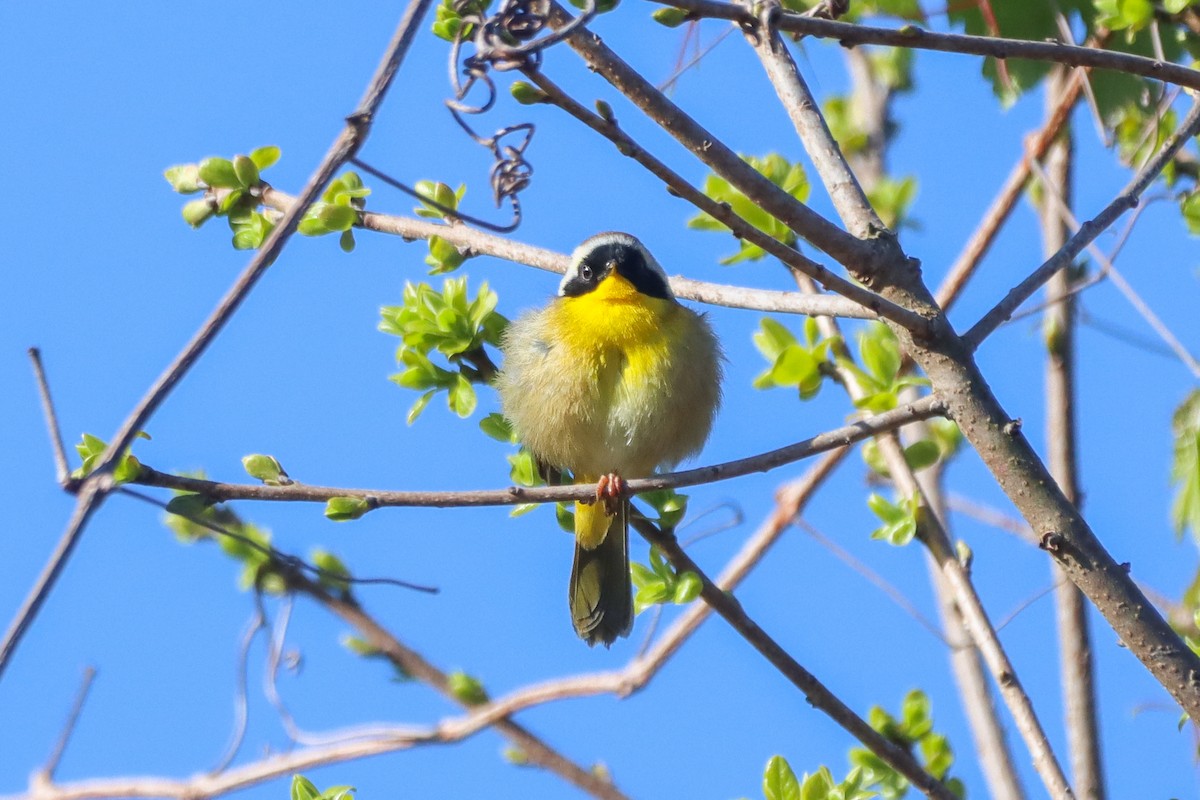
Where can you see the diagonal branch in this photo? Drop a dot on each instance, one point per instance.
(99, 483)
(840, 182)
(1088, 231)
(1002, 206)
(817, 694)
(823, 234)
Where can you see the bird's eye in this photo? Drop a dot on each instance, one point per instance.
(585, 272)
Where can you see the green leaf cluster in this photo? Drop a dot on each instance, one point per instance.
(194, 518)
(670, 505)
(781, 783)
(448, 24)
(792, 364)
(787, 176)
(1185, 467)
(304, 789)
(338, 210)
(899, 519)
(880, 377)
(240, 178)
(453, 326)
(90, 448)
(913, 731)
(659, 583)
(443, 256)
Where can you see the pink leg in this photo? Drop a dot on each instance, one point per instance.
(609, 489)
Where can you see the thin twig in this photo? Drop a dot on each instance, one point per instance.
(1107, 268)
(998, 212)
(241, 699)
(60, 747)
(924, 408)
(99, 483)
(1088, 231)
(817, 694)
(62, 468)
(875, 579)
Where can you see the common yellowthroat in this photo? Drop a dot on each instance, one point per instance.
(614, 378)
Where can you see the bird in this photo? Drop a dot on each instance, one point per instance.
(612, 379)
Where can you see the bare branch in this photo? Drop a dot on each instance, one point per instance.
(910, 36)
(814, 691)
(1062, 211)
(474, 242)
(823, 234)
(1078, 674)
(99, 483)
(1002, 206)
(848, 197)
(953, 582)
(298, 492)
(62, 468)
(85, 686)
(1088, 231)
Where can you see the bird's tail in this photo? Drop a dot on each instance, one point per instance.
(600, 594)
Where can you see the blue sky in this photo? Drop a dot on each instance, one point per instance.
(104, 276)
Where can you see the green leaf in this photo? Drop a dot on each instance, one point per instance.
(334, 574)
(772, 339)
(184, 178)
(303, 789)
(687, 588)
(197, 212)
(337, 218)
(219, 173)
(527, 94)
(779, 782)
(1185, 466)
(342, 509)
(497, 427)
(818, 786)
(922, 454)
(462, 398)
(1189, 205)
(246, 171)
(266, 469)
(265, 157)
(883, 508)
(346, 241)
(417, 407)
(671, 17)
(467, 689)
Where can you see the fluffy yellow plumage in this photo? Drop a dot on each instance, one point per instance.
(613, 378)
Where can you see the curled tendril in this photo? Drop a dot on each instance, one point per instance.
(511, 38)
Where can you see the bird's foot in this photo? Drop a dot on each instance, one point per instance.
(609, 489)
